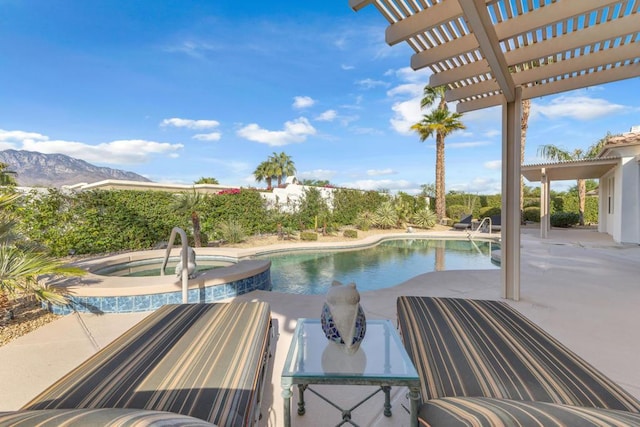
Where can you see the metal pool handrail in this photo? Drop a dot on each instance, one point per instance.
(183, 254)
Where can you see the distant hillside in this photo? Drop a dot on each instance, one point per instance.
(55, 170)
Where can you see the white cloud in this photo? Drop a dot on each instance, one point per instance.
(194, 49)
(366, 131)
(294, 131)
(327, 116)
(468, 144)
(114, 152)
(405, 114)
(347, 67)
(576, 107)
(413, 90)
(378, 172)
(300, 102)
(372, 184)
(190, 124)
(493, 164)
(370, 83)
(213, 136)
(479, 185)
(320, 174)
(129, 151)
(492, 133)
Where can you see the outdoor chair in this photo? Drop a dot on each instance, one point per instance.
(464, 224)
(482, 363)
(206, 361)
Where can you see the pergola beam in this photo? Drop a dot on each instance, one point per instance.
(428, 18)
(356, 5)
(480, 23)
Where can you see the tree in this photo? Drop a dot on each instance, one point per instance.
(22, 267)
(283, 166)
(207, 180)
(316, 182)
(440, 122)
(7, 177)
(556, 153)
(264, 172)
(190, 203)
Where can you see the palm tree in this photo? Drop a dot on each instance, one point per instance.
(524, 125)
(207, 180)
(440, 122)
(283, 166)
(21, 268)
(190, 203)
(558, 154)
(264, 172)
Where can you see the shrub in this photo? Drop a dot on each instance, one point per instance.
(489, 211)
(564, 219)
(352, 234)
(231, 231)
(308, 235)
(457, 212)
(385, 216)
(425, 218)
(364, 221)
(532, 213)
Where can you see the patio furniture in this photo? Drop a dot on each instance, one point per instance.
(464, 224)
(482, 363)
(206, 361)
(380, 361)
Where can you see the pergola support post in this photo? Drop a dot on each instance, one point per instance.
(545, 201)
(510, 234)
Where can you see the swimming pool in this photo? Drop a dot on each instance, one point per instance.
(152, 266)
(385, 265)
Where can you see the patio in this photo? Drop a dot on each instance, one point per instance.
(578, 285)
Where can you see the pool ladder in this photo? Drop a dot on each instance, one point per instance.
(480, 226)
(184, 255)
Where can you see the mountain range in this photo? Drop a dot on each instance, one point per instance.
(55, 170)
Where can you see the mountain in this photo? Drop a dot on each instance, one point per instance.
(55, 170)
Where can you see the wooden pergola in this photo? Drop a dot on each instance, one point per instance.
(500, 52)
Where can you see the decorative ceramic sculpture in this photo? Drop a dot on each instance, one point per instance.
(343, 320)
(191, 263)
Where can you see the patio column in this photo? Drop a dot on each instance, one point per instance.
(545, 200)
(510, 234)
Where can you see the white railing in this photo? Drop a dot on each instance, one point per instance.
(480, 226)
(183, 254)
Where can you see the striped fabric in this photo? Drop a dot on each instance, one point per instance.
(487, 412)
(202, 360)
(472, 348)
(98, 418)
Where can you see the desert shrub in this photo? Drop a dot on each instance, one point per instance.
(308, 235)
(352, 234)
(532, 213)
(313, 210)
(385, 216)
(564, 219)
(457, 212)
(425, 218)
(349, 203)
(364, 221)
(489, 211)
(231, 231)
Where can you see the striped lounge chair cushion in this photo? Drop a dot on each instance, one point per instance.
(97, 417)
(202, 360)
(472, 348)
(488, 412)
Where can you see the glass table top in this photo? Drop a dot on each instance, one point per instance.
(381, 355)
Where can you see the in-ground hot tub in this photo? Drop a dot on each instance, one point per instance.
(98, 292)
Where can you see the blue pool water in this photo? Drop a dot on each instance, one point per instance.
(387, 264)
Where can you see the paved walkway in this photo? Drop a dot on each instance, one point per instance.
(577, 284)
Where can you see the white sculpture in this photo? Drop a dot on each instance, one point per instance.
(343, 320)
(191, 263)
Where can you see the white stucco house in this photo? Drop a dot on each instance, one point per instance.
(617, 168)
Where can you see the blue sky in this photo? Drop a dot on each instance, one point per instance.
(178, 90)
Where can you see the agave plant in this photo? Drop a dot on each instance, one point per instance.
(425, 219)
(364, 221)
(386, 216)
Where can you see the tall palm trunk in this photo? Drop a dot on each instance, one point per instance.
(197, 236)
(441, 208)
(524, 125)
(582, 196)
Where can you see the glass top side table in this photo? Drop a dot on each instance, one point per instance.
(381, 360)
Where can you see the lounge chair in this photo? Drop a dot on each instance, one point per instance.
(206, 361)
(464, 224)
(482, 363)
(496, 222)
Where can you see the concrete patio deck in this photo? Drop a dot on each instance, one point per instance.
(578, 285)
